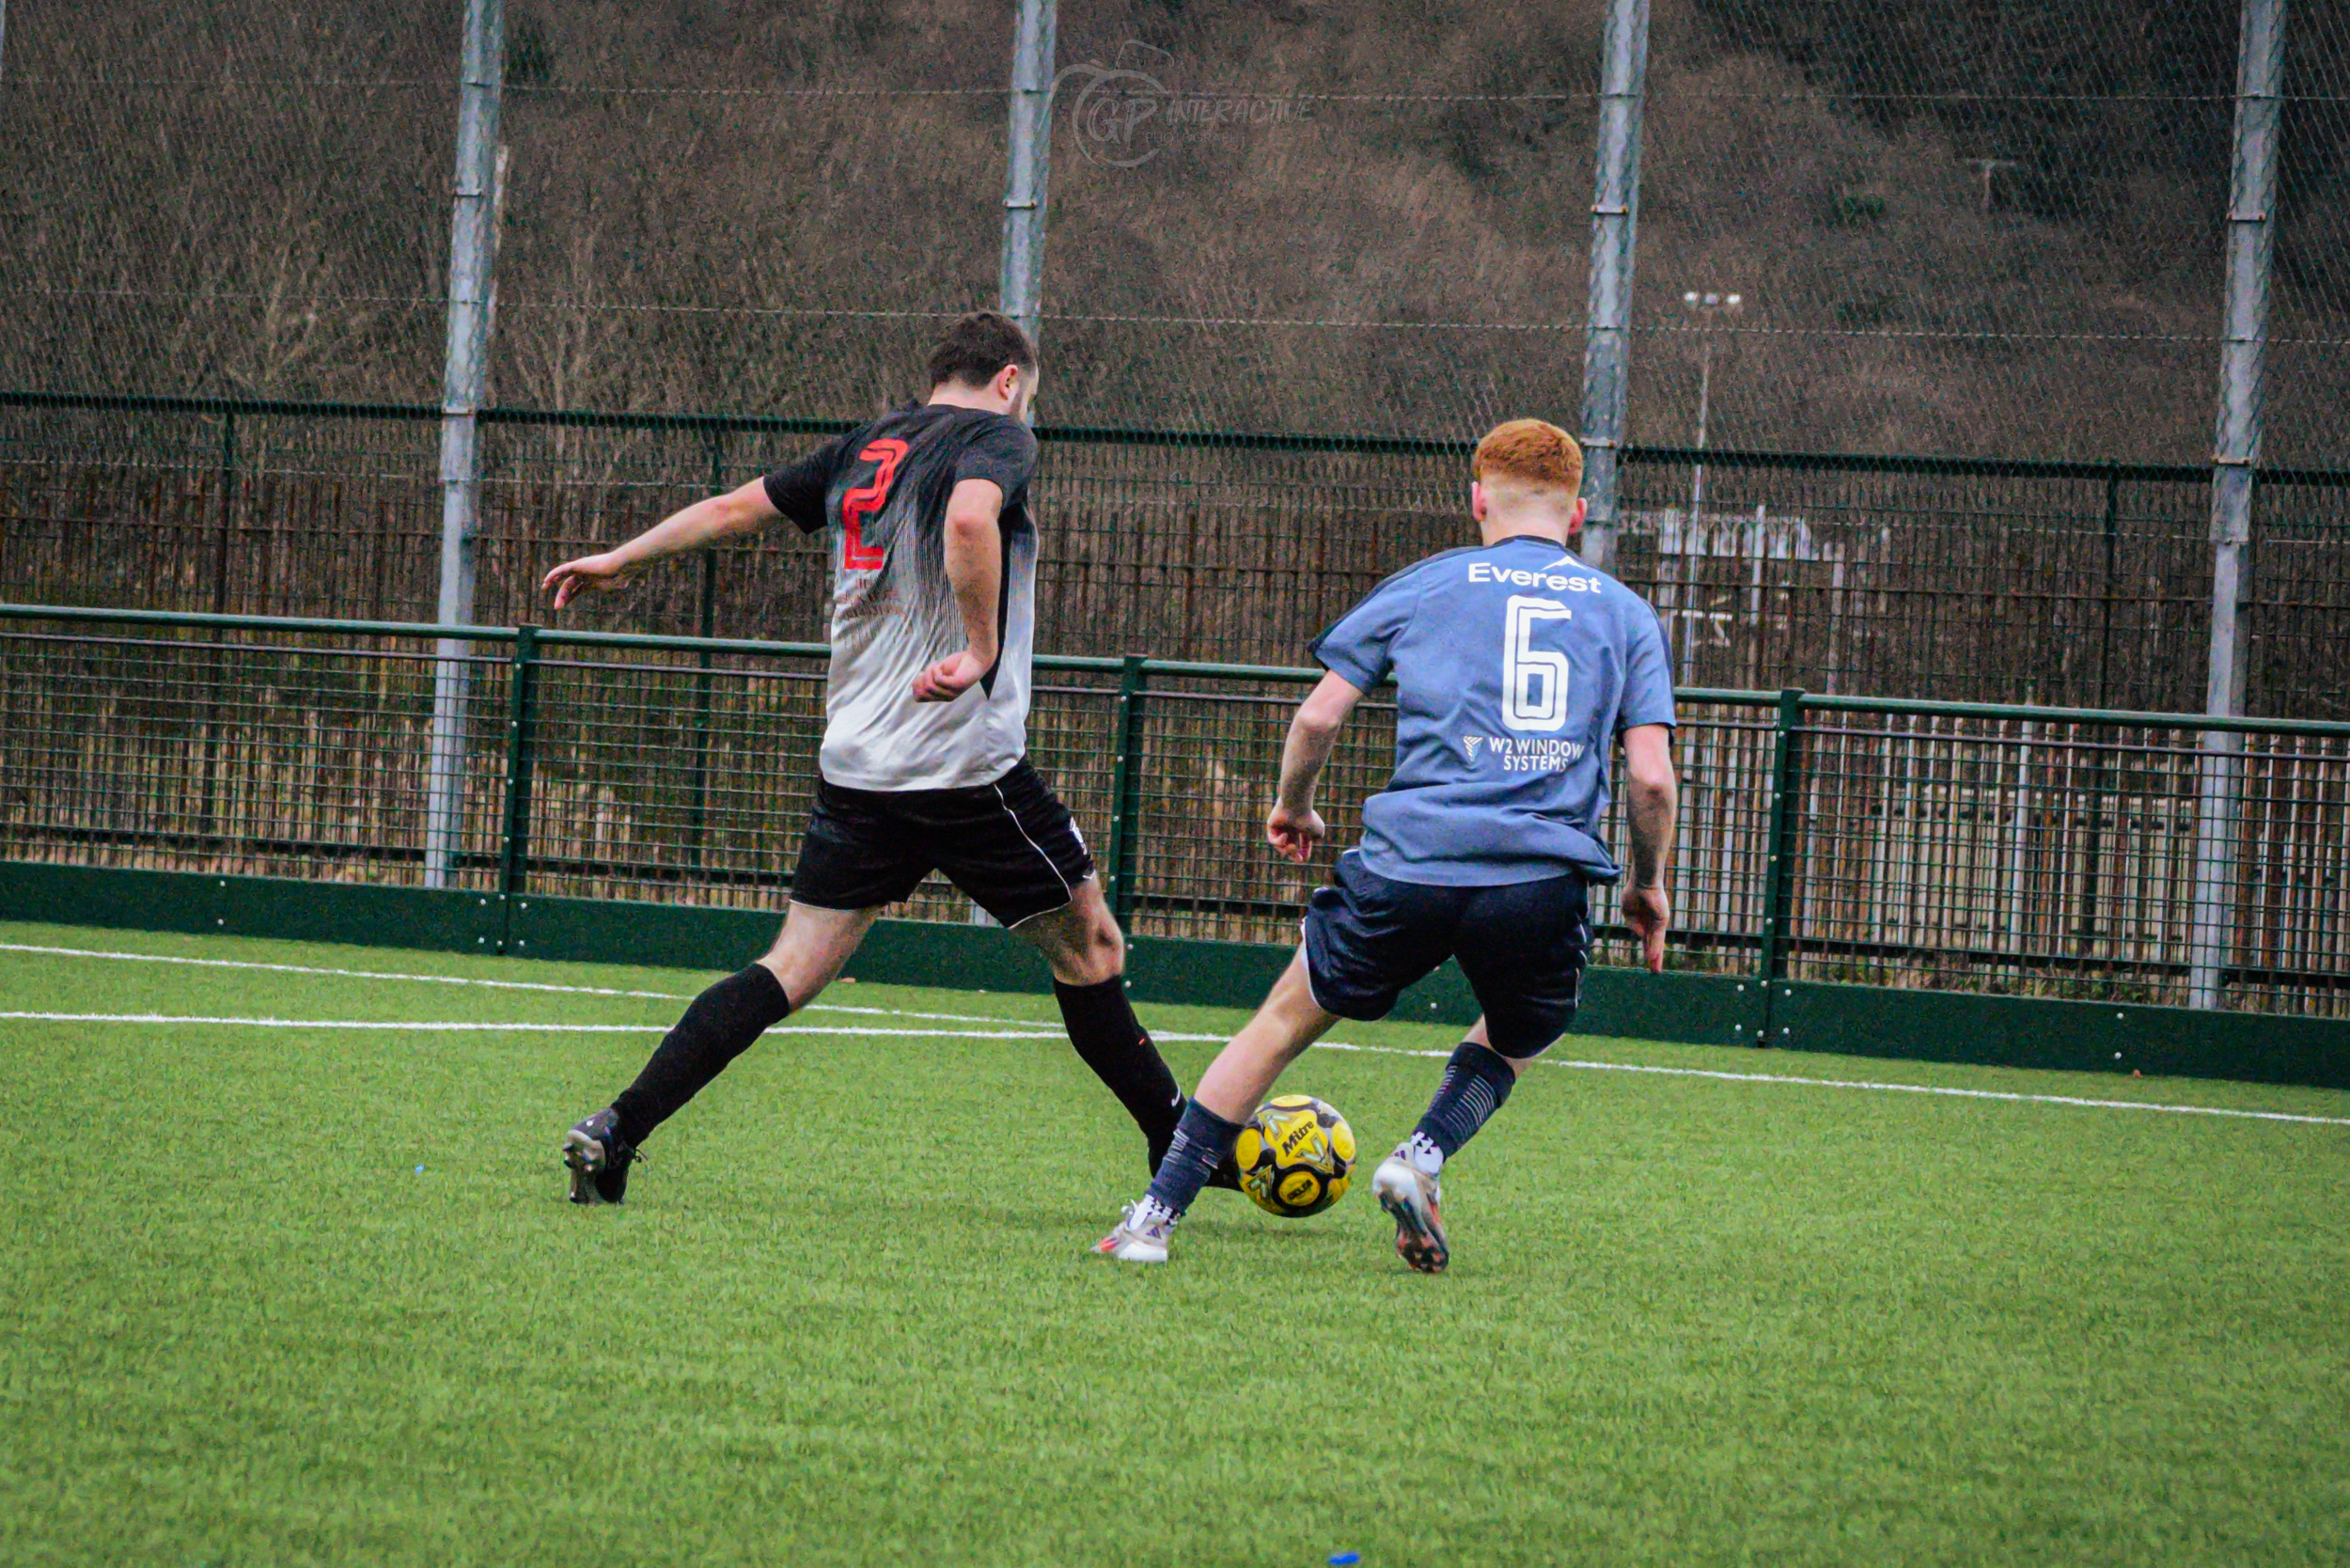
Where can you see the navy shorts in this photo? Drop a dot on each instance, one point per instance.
(1010, 845)
(1522, 945)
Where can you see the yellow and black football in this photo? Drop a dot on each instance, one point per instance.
(1295, 1155)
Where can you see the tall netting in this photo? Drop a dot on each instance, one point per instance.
(224, 197)
(1951, 229)
(2310, 322)
(1294, 259)
(755, 210)
(1363, 221)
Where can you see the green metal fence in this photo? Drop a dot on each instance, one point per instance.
(2017, 850)
(2086, 584)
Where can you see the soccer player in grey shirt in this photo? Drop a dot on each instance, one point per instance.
(924, 762)
(1516, 667)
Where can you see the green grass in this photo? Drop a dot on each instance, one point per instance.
(848, 1316)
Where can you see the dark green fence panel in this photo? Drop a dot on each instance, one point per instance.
(1919, 846)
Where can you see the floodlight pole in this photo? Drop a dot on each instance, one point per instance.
(472, 299)
(1020, 287)
(2244, 333)
(1615, 212)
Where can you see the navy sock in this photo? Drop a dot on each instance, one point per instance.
(1111, 1040)
(1203, 1141)
(1475, 1082)
(718, 1027)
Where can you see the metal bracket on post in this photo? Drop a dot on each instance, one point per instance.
(1615, 220)
(1125, 789)
(514, 837)
(1779, 869)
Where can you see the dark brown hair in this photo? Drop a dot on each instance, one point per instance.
(978, 345)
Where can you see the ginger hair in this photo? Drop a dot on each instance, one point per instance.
(1531, 451)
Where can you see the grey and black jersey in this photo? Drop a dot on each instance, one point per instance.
(880, 492)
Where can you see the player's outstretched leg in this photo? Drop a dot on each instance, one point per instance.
(719, 1026)
(1230, 1092)
(1088, 954)
(1409, 1182)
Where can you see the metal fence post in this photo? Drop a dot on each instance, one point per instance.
(472, 241)
(228, 510)
(1026, 178)
(705, 625)
(1615, 213)
(215, 668)
(521, 718)
(1778, 867)
(2252, 245)
(1125, 788)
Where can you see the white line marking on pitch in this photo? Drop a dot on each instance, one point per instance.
(534, 1029)
(345, 974)
(1880, 1088)
(497, 984)
(1571, 1063)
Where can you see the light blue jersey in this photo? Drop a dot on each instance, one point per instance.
(1515, 666)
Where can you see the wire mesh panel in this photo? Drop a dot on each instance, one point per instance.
(2308, 349)
(680, 777)
(1955, 583)
(2293, 942)
(661, 776)
(1948, 228)
(2299, 610)
(232, 752)
(765, 210)
(1228, 554)
(1722, 753)
(2059, 858)
(1209, 754)
(1996, 855)
(1262, 221)
(227, 197)
(237, 512)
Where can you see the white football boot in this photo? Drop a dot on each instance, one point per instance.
(1410, 1194)
(1142, 1236)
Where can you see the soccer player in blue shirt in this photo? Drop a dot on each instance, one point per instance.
(1517, 668)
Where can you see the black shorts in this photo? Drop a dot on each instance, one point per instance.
(1522, 945)
(1010, 845)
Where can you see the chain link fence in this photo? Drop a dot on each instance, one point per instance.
(1926, 326)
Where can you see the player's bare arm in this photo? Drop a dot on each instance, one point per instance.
(1294, 826)
(975, 566)
(1652, 797)
(707, 521)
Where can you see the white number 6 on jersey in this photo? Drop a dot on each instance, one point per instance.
(1533, 684)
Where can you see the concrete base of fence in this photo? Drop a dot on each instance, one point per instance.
(1852, 1020)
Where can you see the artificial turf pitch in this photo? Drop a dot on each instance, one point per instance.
(279, 1296)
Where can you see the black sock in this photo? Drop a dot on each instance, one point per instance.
(1475, 1082)
(1203, 1141)
(1103, 1026)
(719, 1027)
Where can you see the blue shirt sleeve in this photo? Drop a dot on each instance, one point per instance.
(1648, 680)
(1359, 647)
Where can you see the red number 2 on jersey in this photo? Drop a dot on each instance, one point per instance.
(864, 500)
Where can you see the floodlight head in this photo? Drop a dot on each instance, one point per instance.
(1689, 298)
(1734, 300)
(1712, 299)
